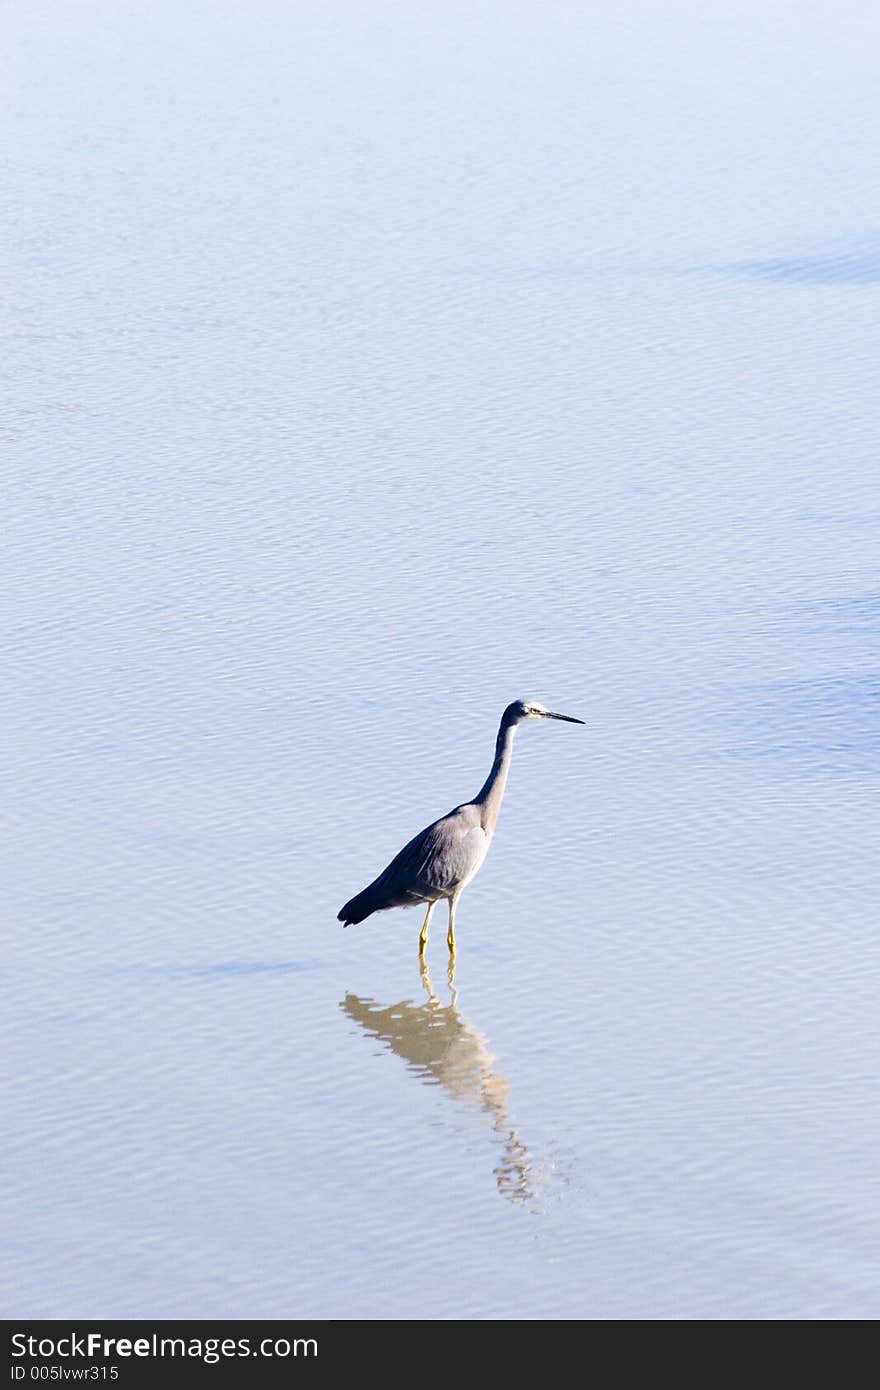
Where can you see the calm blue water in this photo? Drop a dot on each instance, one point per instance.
(366, 368)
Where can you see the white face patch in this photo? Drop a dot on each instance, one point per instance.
(535, 710)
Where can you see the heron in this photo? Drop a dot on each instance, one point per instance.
(442, 859)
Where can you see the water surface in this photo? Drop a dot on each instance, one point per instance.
(367, 368)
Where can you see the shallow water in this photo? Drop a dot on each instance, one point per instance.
(367, 369)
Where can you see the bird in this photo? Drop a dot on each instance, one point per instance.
(442, 859)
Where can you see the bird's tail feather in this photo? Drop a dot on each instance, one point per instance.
(360, 906)
(377, 897)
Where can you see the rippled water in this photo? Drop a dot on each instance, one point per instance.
(367, 368)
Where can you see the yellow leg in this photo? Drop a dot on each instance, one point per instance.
(423, 934)
(450, 935)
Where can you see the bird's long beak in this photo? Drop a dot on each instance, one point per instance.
(548, 714)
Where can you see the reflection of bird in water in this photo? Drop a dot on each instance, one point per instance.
(441, 860)
(440, 1046)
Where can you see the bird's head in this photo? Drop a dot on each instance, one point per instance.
(521, 710)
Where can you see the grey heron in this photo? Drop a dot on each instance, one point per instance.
(442, 859)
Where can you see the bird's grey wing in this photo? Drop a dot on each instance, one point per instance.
(445, 854)
(436, 860)
(432, 865)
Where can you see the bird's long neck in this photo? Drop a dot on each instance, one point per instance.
(492, 792)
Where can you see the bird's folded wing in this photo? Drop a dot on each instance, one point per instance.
(446, 854)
